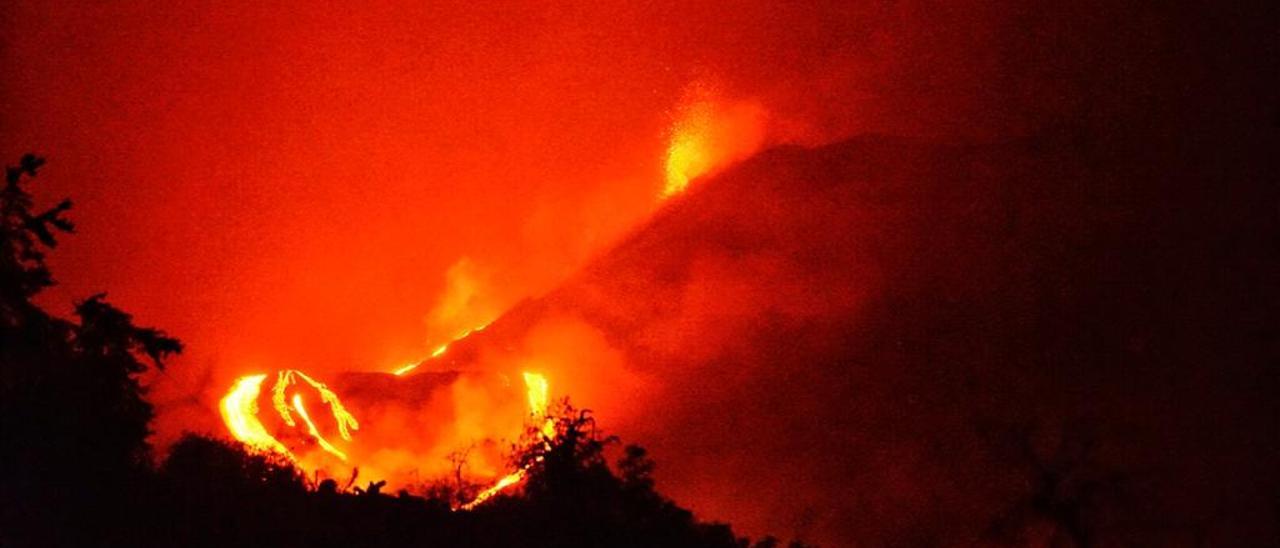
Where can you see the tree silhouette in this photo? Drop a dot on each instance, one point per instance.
(74, 417)
(24, 235)
(581, 501)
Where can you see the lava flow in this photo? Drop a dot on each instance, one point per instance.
(536, 388)
(240, 413)
(708, 133)
(440, 350)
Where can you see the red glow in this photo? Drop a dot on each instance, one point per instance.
(418, 202)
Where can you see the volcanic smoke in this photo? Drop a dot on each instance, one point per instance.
(708, 133)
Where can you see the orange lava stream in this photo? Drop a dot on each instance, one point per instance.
(346, 422)
(439, 351)
(311, 427)
(501, 485)
(536, 390)
(240, 412)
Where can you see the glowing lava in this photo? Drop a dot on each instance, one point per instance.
(240, 413)
(439, 351)
(311, 428)
(710, 133)
(346, 422)
(505, 482)
(687, 155)
(405, 369)
(536, 390)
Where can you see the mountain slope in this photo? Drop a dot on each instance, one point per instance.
(894, 340)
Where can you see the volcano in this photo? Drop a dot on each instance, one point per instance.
(890, 338)
(810, 317)
(852, 273)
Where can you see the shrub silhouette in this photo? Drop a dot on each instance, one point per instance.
(575, 499)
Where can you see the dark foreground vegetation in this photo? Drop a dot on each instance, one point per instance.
(77, 469)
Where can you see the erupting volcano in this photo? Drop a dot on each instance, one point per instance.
(708, 133)
(632, 274)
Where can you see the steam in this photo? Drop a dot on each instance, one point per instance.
(469, 300)
(470, 415)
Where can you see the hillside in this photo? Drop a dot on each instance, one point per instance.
(895, 340)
